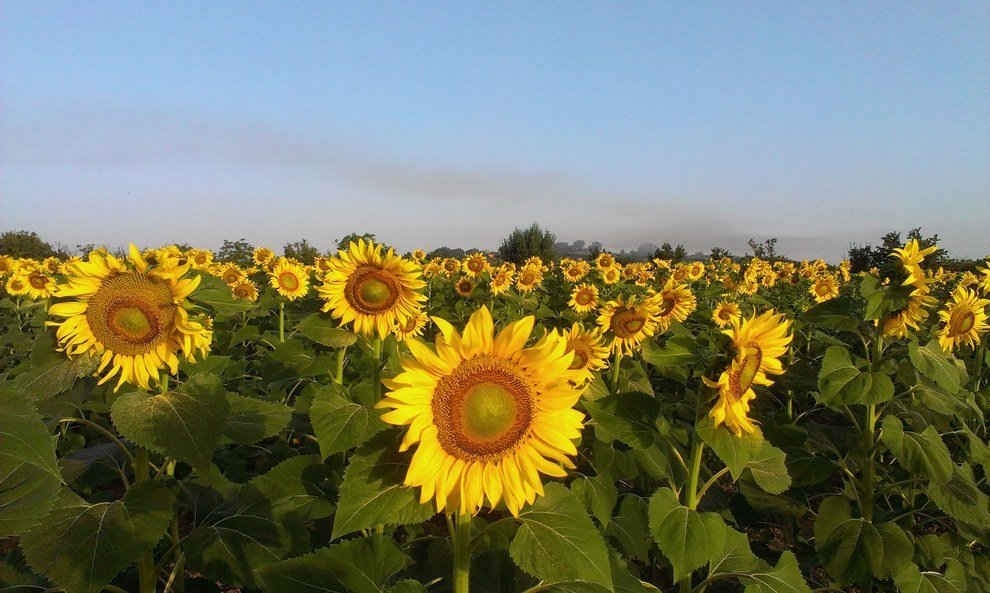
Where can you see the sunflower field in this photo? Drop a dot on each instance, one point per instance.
(386, 423)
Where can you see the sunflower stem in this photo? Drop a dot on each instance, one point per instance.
(691, 498)
(338, 376)
(614, 377)
(281, 322)
(376, 352)
(147, 577)
(460, 539)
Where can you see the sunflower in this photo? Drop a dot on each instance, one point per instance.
(464, 287)
(372, 288)
(824, 288)
(450, 266)
(412, 328)
(263, 256)
(605, 260)
(289, 278)
(487, 414)
(734, 395)
(576, 271)
(501, 282)
(419, 255)
(200, 259)
(6, 265)
(245, 290)
(590, 352)
(584, 298)
(476, 264)
(131, 314)
(628, 322)
(674, 303)
(965, 320)
(17, 285)
(725, 313)
(40, 284)
(231, 274)
(529, 278)
(910, 317)
(696, 271)
(611, 275)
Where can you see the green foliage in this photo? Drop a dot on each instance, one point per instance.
(24, 244)
(239, 252)
(301, 251)
(525, 243)
(29, 472)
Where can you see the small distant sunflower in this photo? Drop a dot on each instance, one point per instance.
(17, 285)
(231, 274)
(628, 322)
(464, 287)
(263, 257)
(245, 290)
(476, 264)
(965, 319)
(501, 282)
(824, 288)
(696, 271)
(674, 303)
(373, 288)
(289, 279)
(40, 284)
(611, 275)
(590, 351)
(419, 255)
(576, 271)
(529, 278)
(605, 261)
(412, 327)
(200, 259)
(584, 298)
(6, 265)
(450, 266)
(131, 315)
(725, 313)
(488, 416)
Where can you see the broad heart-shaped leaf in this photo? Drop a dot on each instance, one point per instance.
(735, 452)
(833, 314)
(769, 468)
(357, 565)
(48, 372)
(840, 382)
(962, 499)
(627, 417)
(687, 538)
(911, 580)
(786, 577)
(931, 362)
(556, 541)
(631, 527)
(83, 546)
(735, 556)
(213, 293)
(920, 453)
(251, 420)
(295, 494)
(372, 492)
(340, 423)
(598, 494)
(29, 473)
(322, 330)
(184, 424)
(898, 549)
(850, 548)
(673, 358)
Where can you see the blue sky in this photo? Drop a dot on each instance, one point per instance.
(450, 123)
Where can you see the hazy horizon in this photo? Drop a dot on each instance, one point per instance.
(451, 124)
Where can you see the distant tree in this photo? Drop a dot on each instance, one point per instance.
(525, 243)
(238, 252)
(301, 251)
(594, 250)
(447, 252)
(669, 252)
(25, 244)
(864, 257)
(349, 238)
(766, 249)
(679, 253)
(719, 253)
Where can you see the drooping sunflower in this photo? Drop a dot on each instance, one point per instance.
(734, 394)
(590, 351)
(487, 414)
(412, 328)
(245, 290)
(965, 319)
(130, 314)
(289, 278)
(464, 287)
(476, 264)
(628, 322)
(675, 302)
(373, 288)
(824, 288)
(584, 298)
(725, 313)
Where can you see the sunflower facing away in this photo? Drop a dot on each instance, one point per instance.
(584, 298)
(628, 322)
(759, 342)
(131, 315)
(373, 288)
(289, 279)
(487, 414)
(965, 319)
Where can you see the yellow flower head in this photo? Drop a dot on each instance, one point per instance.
(412, 328)
(476, 264)
(263, 257)
(289, 278)
(245, 290)
(824, 288)
(488, 415)
(725, 314)
(965, 319)
(17, 285)
(464, 287)
(529, 278)
(589, 349)
(628, 322)
(674, 303)
(584, 298)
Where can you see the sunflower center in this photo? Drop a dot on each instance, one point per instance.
(752, 357)
(371, 290)
(627, 323)
(583, 298)
(131, 313)
(961, 322)
(482, 409)
(38, 281)
(667, 305)
(580, 359)
(288, 281)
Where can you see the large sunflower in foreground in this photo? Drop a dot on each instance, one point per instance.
(131, 315)
(628, 322)
(965, 319)
(372, 287)
(488, 414)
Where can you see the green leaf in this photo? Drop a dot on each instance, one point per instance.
(322, 330)
(911, 580)
(850, 548)
(556, 541)
(29, 472)
(251, 420)
(962, 499)
(842, 383)
(735, 556)
(51, 374)
(301, 359)
(630, 527)
(769, 469)
(358, 565)
(598, 494)
(213, 293)
(294, 489)
(921, 453)
(687, 538)
(931, 362)
(407, 586)
(626, 417)
(833, 314)
(673, 359)
(83, 546)
(898, 549)
(181, 424)
(339, 423)
(372, 492)
(786, 577)
(735, 452)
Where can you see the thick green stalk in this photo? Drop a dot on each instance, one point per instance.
(460, 539)
(376, 352)
(338, 376)
(281, 322)
(869, 438)
(147, 577)
(613, 382)
(691, 489)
